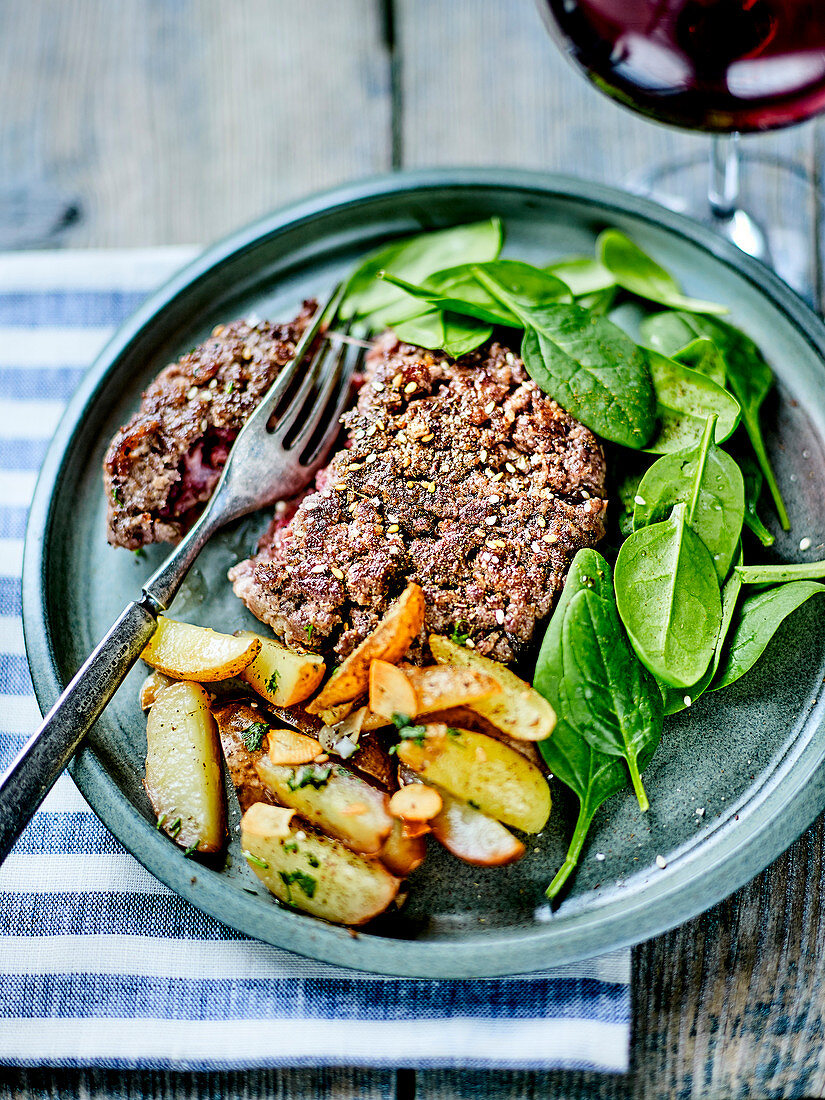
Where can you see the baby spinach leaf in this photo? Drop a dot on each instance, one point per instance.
(774, 574)
(414, 258)
(668, 597)
(639, 273)
(582, 274)
(702, 355)
(667, 332)
(606, 693)
(592, 368)
(593, 776)
(599, 302)
(749, 379)
(684, 400)
(588, 572)
(756, 622)
(710, 479)
(443, 331)
(753, 489)
(674, 700)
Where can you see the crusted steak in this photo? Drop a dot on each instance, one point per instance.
(167, 460)
(462, 476)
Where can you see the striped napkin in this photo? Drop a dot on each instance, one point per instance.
(100, 964)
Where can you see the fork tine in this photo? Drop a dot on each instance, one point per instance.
(327, 386)
(333, 406)
(299, 403)
(324, 313)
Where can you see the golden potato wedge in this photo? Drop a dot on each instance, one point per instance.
(481, 770)
(279, 675)
(388, 642)
(314, 873)
(391, 692)
(290, 747)
(443, 686)
(239, 726)
(151, 686)
(331, 716)
(516, 709)
(472, 836)
(416, 802)
(375, 721)
(183, 774)
(372, 759)
(188, 652)
(402, 854)
(340, 803)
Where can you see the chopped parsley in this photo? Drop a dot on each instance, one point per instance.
(116, 497)
(406, 732)
(140, 552)
(192, 848)
(307, 883)
(252, 858)
(453, 732)
(254, 735)
(272, 682)
(229, 387)
(313, 775)
(291, 846)
(175, 827)
(308, 630)
(460, 632)
(312, 860)
(160, 822)
(473, 803)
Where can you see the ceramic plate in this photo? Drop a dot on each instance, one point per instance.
(747, 757)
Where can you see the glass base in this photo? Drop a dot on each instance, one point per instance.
(777, 219)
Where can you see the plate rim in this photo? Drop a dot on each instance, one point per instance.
(670, 901)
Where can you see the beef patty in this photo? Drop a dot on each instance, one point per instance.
(462, 476)
(164, 464)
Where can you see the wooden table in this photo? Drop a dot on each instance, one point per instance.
(154, 122)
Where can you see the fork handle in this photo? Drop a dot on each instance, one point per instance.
(47, 752)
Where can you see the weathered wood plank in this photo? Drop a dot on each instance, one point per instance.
(167, 122)
(323, 1084)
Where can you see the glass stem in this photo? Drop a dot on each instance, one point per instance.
(723, 180)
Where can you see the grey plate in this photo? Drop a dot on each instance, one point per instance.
(748, 756)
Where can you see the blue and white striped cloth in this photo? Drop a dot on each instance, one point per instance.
(102, 965)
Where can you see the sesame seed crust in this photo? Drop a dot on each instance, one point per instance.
(461, 475)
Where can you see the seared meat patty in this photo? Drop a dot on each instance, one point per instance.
(462, 476)
(164, 464)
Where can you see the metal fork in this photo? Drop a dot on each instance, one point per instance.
(276, 453)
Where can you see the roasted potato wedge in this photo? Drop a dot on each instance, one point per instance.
(151, 686)
(391, 692)
(473, 836)
(183, 774)
(188, 652)
(312, 872)
(234, 722)
(388, 642)
(443, 686)
(335, 800)
(279, 675)
(498, 780)
(516, 709)
(402, 854)
(372, 759)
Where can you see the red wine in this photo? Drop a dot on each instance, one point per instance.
(718, 65)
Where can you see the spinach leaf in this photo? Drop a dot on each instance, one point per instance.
(757, 620)
(638, 273)
(753, 488)
(668, 597)
(749, 379)
(582, 274)
(414, 258)
(703, 355)
(599, 302)
(606, 693)
(588, 572)
(674, 700)
(684, 400)
(443, 331)
(592, 368)
(593, 776)
(774, 574)
(459, 290)
(667, 332)
(706, 478)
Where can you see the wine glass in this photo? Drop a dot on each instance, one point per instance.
(725, 67)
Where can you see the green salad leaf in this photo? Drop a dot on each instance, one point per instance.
(685, 398)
